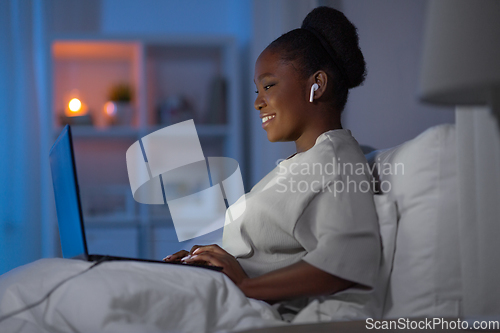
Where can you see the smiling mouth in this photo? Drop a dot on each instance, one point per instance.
(267, 118)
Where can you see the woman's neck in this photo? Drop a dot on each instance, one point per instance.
(321, 118)
(308, 139)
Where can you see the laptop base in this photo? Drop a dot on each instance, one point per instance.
(99, 257)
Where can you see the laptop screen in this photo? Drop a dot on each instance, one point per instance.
(67, 197)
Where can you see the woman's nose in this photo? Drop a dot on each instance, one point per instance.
(259, 103)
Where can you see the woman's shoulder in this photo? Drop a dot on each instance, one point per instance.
(338, 144)
(337, 137)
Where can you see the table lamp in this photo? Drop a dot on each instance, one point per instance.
(461, 54)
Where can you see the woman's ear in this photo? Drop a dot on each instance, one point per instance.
(321, 79)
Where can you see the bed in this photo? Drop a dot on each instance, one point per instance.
(417, 206)
(125, 296)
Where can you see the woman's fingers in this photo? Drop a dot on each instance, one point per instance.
(183, 254)
(207, 248)
(212, 255)
(194, 248)
(205, 257)
(230, 266)
(176, 256)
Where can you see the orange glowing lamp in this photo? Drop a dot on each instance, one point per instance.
(76, 108)
(75, 105)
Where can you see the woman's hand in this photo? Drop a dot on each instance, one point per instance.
(181, 255)
(297, 280)
(214, 255)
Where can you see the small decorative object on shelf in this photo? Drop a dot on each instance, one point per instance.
(217, 101)
(119, 109)
(175, 109)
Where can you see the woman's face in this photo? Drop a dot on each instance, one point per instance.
(282, 97)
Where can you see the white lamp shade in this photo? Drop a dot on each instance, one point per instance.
(461, 54)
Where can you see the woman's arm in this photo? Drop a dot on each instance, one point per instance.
(297, 280)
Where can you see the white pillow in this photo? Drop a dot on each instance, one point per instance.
(387, 220)
(421, 177)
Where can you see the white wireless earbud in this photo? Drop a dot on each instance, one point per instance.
(313, 89)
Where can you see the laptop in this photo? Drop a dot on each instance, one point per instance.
(69, 209)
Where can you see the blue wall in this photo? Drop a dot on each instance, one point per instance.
(190, 17)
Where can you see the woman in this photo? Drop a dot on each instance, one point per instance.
(305, 232)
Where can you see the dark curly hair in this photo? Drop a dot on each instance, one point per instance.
(326, 41)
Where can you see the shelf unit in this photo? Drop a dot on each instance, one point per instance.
(200, 72)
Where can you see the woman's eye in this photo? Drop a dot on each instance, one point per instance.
(265, 88)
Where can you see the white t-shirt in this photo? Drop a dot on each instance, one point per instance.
(316, 206)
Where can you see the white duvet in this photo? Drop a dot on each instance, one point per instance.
(126, 297)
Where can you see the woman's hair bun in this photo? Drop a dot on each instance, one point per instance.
(342, 36)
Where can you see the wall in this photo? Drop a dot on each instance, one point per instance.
(385, 111)
(190, 17)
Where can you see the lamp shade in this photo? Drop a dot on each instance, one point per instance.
(461, 52)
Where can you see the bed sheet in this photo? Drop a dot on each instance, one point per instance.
(125, 296)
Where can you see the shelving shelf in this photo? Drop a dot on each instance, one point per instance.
(160, 70)
(90, 132)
